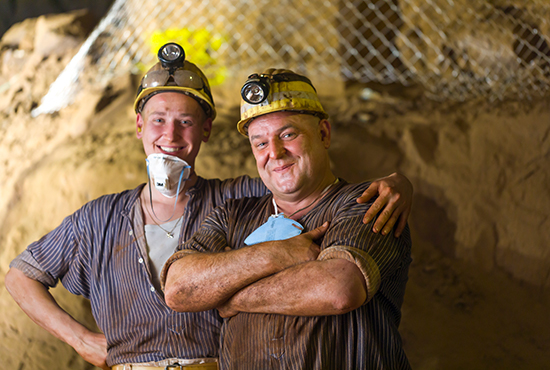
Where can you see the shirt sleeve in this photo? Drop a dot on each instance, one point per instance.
(26, 263)
(377, 256)
(362, 260)
(60, 255)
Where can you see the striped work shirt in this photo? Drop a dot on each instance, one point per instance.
(100, 253)
(366, 338)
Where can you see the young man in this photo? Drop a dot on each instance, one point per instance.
(111, 250)
(288, 303)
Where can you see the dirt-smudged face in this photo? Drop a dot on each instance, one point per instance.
(175, 124)
(291, 153)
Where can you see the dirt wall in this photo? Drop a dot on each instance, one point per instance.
(478, 290)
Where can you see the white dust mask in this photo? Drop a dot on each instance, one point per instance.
(167, 173)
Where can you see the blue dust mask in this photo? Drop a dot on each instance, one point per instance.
(277, 227)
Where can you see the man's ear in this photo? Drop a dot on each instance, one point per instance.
(139, 126)
(325, 129)
(206, 129)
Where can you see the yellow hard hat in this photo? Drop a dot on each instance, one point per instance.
(174, 73)
(277, 90)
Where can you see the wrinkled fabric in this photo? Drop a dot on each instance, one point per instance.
(100, 253)
(365, 338)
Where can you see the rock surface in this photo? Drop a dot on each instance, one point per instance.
(478, 293)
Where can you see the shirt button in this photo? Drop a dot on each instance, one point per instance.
(131, 232)
(140, 260)
(152, 289)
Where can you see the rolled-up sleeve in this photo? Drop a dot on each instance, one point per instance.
(50, 258)
(377, 256)
(362, 260)
(26, 263)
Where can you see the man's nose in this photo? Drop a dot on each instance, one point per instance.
(276, 149)
(171, 131)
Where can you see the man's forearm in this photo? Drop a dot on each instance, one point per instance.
(37, 302)
(317, 288)
(203, 281)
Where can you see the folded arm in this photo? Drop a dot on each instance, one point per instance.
(318, 288)
(243, 281)
(347, 274)
(203, 281)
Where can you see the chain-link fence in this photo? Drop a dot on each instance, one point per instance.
(455, 49)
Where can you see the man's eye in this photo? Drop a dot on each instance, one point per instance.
(288, 135)
(260, 145)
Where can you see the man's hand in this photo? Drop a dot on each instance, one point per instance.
(93, 348)
(394, 197)
(298, 249)
(226, 311)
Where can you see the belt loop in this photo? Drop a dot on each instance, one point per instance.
(127, 367)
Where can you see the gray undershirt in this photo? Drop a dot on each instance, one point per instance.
(160, 247)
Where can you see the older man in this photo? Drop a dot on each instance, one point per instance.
(111, 250)
(288, 303)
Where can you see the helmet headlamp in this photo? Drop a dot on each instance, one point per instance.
(256, 89)
(174, 73)
(171, 56)
(277, 90)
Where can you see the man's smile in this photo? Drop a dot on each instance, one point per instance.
(170, 149)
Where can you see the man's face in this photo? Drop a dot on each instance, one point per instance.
(175, 124)
(291, 152)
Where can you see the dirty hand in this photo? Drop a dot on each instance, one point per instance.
(93, 349)
(295, 250)
(394, 200)
(226, 311)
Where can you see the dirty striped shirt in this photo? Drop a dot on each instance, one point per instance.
(100, 253)
(365, 338)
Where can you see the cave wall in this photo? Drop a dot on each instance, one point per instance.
(15, 11)
(480, 172)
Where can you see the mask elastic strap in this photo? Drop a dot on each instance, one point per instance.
(177, 194)
(275, 206)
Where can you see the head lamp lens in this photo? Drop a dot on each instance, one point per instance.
(170, 52)
(255, 90)
(253, 94)
(171, 56)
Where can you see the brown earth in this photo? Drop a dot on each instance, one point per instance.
(478, 293)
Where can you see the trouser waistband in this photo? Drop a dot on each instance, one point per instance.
(205, 366)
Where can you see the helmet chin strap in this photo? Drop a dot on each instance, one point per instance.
(175, 202)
